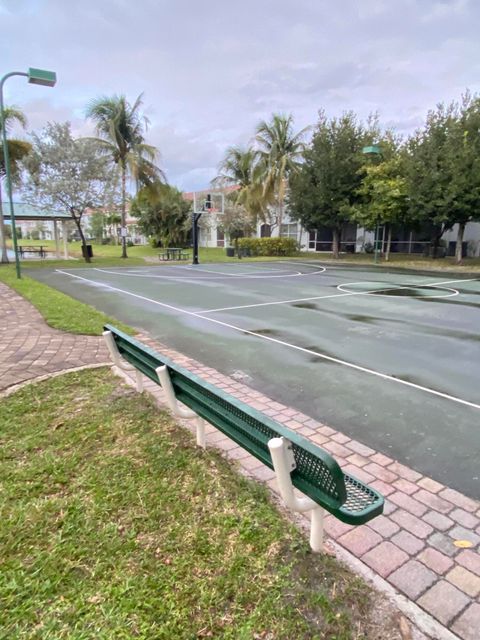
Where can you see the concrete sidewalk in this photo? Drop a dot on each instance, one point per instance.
(409, 552)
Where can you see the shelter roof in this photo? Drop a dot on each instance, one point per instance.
(25, 211)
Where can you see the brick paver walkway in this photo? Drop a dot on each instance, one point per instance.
(412, 546)
(29, 348)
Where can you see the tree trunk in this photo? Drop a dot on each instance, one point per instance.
(84, 242)
(458, 246)
(280, 216)
(124, 212)
(3, 238)
(389, 243)
(335, 243)
(438, 233)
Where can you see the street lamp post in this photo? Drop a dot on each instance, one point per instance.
(374, 150)
(35, 76)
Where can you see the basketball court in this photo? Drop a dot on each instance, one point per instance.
(391, 359)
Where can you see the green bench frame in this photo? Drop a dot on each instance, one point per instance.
(296, 460)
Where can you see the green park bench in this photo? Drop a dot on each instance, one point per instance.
(297, 462)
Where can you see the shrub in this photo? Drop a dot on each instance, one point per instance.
(368, 247)
(269, 246)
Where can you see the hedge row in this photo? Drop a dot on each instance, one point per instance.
(269, 246)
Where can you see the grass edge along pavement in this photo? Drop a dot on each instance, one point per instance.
(59, 310)
(114, 524)
(109, 255)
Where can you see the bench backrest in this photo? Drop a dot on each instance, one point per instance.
(317, 474)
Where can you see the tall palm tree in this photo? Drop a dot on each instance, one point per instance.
(280, 153)
(17, 149)
(121, 128)
(240, 167)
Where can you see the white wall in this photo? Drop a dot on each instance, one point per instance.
(472, 236)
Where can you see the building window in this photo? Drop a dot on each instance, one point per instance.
(289, 230)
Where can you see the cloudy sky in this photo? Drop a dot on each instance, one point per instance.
(210, 70)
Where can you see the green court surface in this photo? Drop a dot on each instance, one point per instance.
(390, 359)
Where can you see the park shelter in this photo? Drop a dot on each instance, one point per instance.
(28, 212)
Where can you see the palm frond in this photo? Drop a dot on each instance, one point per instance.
(11, 115)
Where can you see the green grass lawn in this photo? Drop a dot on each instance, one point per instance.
(109, 255)
(59, 310)
(113, 525)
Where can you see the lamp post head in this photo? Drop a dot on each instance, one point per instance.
(42, 77)
(373, 149)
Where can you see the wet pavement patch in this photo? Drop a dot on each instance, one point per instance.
(305, 305)
(360, 318)
(263, 332)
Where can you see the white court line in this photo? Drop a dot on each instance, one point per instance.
(236, 275)
(323, 356)
(339, 295)
(198, 269)
(268, 304)
(454, 281)
(380, 292)
(136, 275)
(218, 273)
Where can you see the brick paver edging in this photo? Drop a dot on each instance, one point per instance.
(30, 349)
(48, 376)
(410, 549)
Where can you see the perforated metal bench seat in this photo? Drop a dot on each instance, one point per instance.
(317, 474)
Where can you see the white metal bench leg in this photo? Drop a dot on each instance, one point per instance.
(139, 381)
(119, 362)
(166, 383)
(284, 464)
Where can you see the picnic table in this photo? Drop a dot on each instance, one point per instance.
(174, 253)
(42, 252)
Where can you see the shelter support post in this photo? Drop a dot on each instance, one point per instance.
(180, 412)
(57, 239)
(65, 240)
(283, 464)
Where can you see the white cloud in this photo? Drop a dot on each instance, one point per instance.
(211, 70)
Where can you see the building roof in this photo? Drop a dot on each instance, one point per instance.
(25, 211)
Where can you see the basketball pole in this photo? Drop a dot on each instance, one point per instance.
(196, 215)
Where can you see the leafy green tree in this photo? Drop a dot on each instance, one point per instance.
(66, 174)
(325, 190)
(17, 150)
(280, 151)
(443, 169)
(428, 173)
(236, 222)
(113, 220)
(97, 224)
(162, 213)
(121, 130)
(464, 168)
